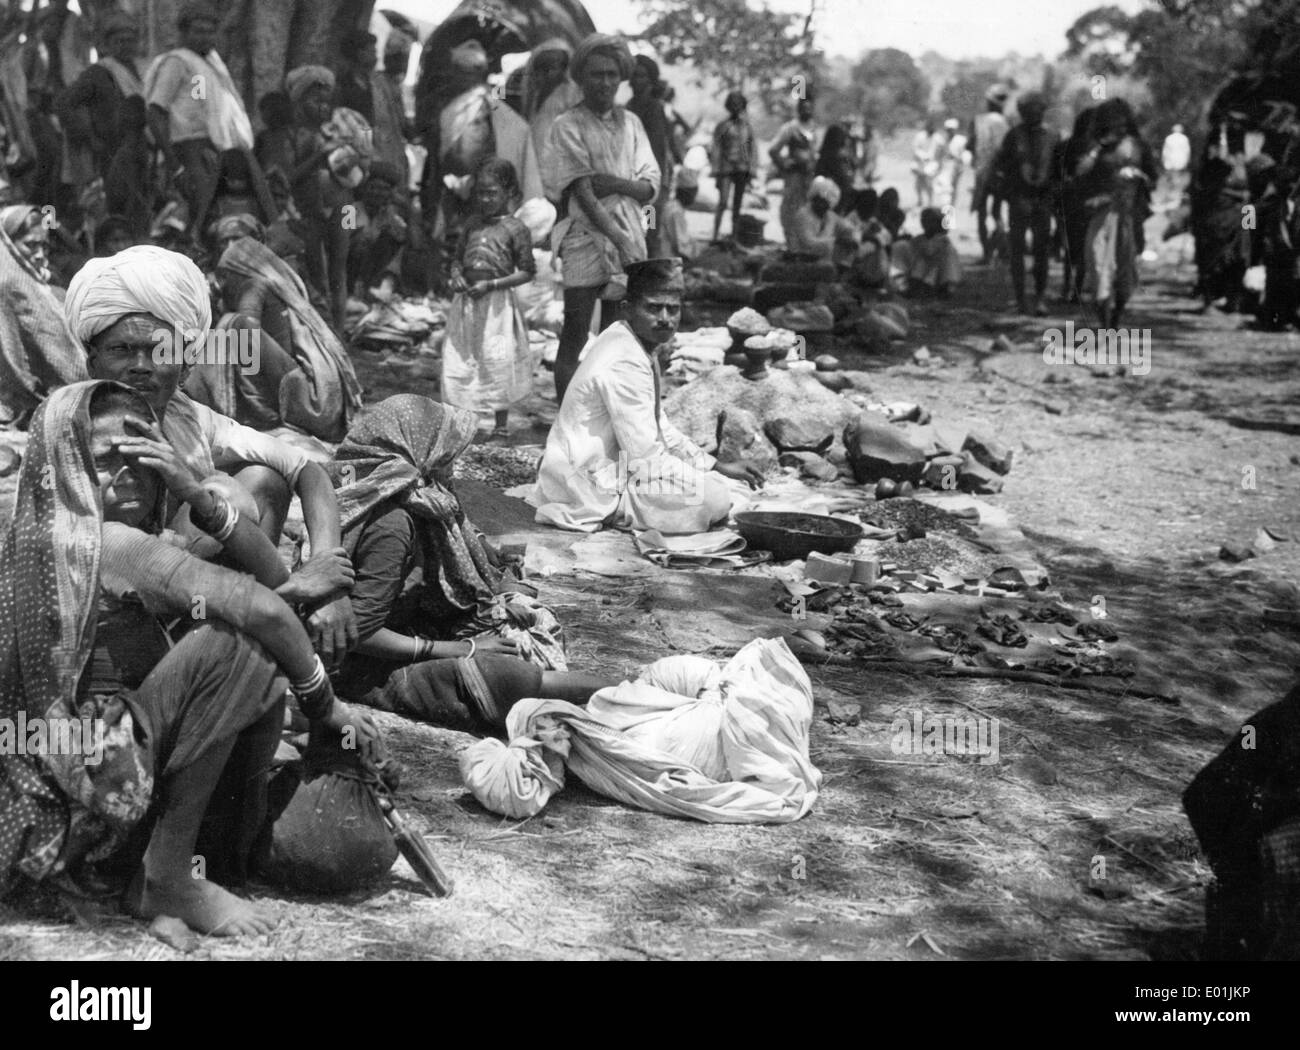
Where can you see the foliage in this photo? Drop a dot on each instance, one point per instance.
(747, 48)
(886, 89)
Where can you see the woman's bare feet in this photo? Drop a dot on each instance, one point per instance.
(202, 905)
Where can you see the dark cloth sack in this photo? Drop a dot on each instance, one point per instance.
(331, 836)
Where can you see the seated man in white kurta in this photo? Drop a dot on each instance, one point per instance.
(612, 457)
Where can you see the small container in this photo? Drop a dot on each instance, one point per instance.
(866, 571)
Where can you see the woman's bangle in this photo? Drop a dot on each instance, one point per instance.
(472, 647)
(313, 681)
(220, 523)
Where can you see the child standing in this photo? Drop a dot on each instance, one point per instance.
(486, 364)
(734, 160)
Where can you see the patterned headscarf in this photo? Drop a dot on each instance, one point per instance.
(49, 589)
(16, 221)
(298, 82)
(241, 225)
(395, 453)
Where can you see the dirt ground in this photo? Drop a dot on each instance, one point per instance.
(1125, 486)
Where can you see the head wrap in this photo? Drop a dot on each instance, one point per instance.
(651, 276)
(116, 21)
(997, 93)
(825, 189)
(539, 216)
(397, 452)
(144, 279)
(298, 82)
(469, 57)
(1031, 102)
(241, 225)
(648, 64)
(17, 219)
(193, 10)
(602, 44)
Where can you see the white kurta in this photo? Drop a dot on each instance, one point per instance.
(613, 457)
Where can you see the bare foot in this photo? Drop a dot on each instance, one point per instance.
(203, 906)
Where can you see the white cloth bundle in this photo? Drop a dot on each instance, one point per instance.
(687, 739)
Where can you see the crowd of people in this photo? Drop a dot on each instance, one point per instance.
(141, 211)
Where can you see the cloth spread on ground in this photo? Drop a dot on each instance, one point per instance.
(721, 549)
(687, 739)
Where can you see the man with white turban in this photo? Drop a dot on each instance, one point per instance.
(140, 315)
(195, 111)
(816, 227)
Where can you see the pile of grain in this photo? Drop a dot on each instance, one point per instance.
(501, 466)
(937, 552)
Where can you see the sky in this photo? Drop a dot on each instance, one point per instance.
(953, 28)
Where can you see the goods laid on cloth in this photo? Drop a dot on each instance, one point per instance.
(719, 549)
(723, 745)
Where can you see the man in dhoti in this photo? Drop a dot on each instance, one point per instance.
(612, 457)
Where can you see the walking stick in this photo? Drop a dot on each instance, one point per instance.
(413, 847)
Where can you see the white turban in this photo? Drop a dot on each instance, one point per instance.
(140, 280)
(538, 214)
(825, 189)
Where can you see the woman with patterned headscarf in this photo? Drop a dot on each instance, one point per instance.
(37, 352)
(446, 634)
(601, 165)
(87, 582)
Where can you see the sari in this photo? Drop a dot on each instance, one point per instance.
(37, 351)
(400, 454)
(330, 394)
(66, 810)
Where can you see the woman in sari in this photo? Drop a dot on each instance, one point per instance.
(446, 634)
(178, 735)
(37, 352)
(1122, 170)
(305, 378)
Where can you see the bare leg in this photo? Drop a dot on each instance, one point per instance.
(171, 886)
(579, 305)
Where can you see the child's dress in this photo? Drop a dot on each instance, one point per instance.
(486, 364)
